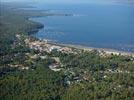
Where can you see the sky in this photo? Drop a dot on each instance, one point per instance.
(65, 1)
(71, 1)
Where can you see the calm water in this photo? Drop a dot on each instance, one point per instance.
(96, 25)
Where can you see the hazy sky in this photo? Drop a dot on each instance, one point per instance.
(72, 1)
(66, 1)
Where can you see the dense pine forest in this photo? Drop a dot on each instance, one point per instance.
(25, 73)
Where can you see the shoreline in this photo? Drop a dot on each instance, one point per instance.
(76, 46)
(106, 50)
(86, 48)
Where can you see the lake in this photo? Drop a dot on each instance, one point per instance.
(94, 25)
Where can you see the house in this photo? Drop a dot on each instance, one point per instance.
(55, 67)
(57, 48)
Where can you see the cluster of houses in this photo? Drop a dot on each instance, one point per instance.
(72, 77)
(116, 71)
(44, 46)
(112, 71)
(47, 47)
(19, 66)
(57, 66)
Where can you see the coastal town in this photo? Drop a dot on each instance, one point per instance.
(43, 45)
(45, 48)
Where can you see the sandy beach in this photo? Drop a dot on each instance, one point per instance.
(86, 48)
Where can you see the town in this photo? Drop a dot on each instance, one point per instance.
(46, 49)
